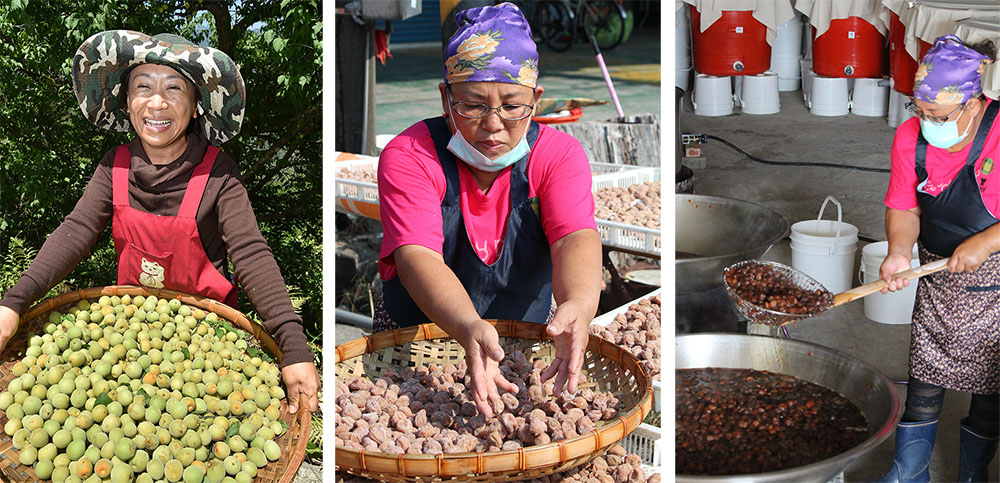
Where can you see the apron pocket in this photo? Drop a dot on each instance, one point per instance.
(145, 267)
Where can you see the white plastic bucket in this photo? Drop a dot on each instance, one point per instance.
(786, 54)
(682, 38)
(807, 77)
(824, 249)
(682, 78)
(712, 96)
(829, 96)
(897, 108)
(759, 94)
(869, 99)
(894, 307)
(789, 76)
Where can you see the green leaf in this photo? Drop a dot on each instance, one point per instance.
(186, 352)
(220, 332)
(103, 398)
(234, 429)
(313, 451)
(269, 36)
(279, 44)
(142, 392)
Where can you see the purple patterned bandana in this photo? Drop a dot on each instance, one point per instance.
(492, 44)
(949, 73)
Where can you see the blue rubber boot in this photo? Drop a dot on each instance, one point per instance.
(914, 442)
(974, 455)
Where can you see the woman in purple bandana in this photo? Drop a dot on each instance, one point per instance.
(488, 215)
(944, 194)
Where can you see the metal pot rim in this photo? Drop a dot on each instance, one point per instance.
(798, 473)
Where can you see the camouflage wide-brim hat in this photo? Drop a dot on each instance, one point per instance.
(103, 60)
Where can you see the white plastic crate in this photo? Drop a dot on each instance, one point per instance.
(620, 235)
(605, 168)
(636, 238)
(622, 177)
(606, 318)
(639, 239)
(351, 191)
(644, 441)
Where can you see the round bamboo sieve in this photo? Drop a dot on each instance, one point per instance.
(607, 367)
(292, 443)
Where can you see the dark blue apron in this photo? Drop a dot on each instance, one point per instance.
(518, 285)
(958, 212)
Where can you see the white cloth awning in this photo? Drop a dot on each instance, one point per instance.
(975, 30)
(929, 19)
(822, 12)
(771, 13)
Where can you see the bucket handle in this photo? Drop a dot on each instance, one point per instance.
(840, 218)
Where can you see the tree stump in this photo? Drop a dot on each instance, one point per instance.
(635, 141)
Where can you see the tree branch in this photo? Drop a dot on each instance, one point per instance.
(301, 123)
(223, 26)
(306, 204)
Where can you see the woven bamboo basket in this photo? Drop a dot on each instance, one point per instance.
(292, 443)
(606, 367)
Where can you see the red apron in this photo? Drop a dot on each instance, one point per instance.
(165, 251)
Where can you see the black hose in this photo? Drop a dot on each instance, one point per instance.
(794, 163)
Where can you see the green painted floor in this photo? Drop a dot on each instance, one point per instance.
(406, 89)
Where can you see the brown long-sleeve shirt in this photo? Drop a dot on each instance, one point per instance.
(226, 224)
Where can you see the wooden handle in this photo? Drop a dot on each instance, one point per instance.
(870, 288)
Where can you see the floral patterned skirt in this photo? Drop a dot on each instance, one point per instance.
(955, 336)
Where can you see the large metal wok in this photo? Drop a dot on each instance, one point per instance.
(863, 385)
(713, 233)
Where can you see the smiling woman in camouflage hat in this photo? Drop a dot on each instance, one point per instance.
(178, 208)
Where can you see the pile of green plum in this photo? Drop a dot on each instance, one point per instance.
(143, 389)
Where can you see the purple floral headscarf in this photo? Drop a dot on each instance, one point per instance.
(492, 44)
(950, 72)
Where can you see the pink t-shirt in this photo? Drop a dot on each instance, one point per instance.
(942, 167)
(411, 185)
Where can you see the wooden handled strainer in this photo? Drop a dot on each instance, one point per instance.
(762, 315)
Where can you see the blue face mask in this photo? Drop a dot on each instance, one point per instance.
(945, 135)
(461, 148)
(471, 156)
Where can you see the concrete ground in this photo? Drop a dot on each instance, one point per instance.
(406, 89)
(308, 473)
(797, 193)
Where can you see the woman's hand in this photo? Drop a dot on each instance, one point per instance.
(569, 329)
(971, 253)
(893, 264)
(483, 355)
(301, 379)
(8, 324)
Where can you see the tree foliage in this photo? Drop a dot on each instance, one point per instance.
(48, 150)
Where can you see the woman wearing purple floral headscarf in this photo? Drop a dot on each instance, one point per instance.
(944, 192)
(486, 214)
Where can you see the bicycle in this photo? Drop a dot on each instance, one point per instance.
(559, 21)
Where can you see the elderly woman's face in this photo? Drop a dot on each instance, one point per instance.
(490, 135)
(161, 104)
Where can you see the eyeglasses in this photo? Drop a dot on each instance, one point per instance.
(476, 110)
(937, 121)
